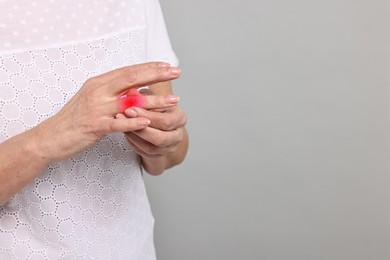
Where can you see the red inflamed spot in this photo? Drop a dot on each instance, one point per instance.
(132, 99)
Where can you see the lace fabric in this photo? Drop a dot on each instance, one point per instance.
(30, 24)
(93, 206)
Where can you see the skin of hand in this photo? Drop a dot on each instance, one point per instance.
(90, 114)
(84, 120)
(164, 143)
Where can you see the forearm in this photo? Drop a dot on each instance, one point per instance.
(20, 163)
(157, 165)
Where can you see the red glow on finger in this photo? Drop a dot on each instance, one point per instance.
(132, 99)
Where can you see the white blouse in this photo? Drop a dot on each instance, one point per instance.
(93, 206)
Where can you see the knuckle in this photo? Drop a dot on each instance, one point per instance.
(159, 72)
(153, 64)
(165, 124)
(173, 123)
(161, 102)
(156, 101)
(160, 140)
(183, 117)
(130, 74)
(171, 149)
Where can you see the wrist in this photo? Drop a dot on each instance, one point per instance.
(49, 141)
(38, 145)
(157, 165)
(154, 166)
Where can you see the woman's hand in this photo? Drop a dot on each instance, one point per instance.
(90, 114)
(164, 142)
(85, 119)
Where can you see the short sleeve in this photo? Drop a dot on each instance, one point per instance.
(158, 43)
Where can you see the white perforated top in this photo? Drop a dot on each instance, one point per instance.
(93, 206)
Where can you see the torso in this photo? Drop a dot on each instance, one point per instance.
(93, 206)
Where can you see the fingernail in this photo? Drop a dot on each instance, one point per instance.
(131, 112)
(175, 71)
(144, 121)
(120, 116)
(173, 99)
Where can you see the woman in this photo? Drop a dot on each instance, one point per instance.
(71, 182)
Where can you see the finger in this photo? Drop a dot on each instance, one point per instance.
(127, 124)
(141, 146)
(160, 102)
(134, 98)
(133, 76)
(145, 148)
(169, 120)
(110, 75)
(160, 138)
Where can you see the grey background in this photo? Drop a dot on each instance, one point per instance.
(289, 117)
